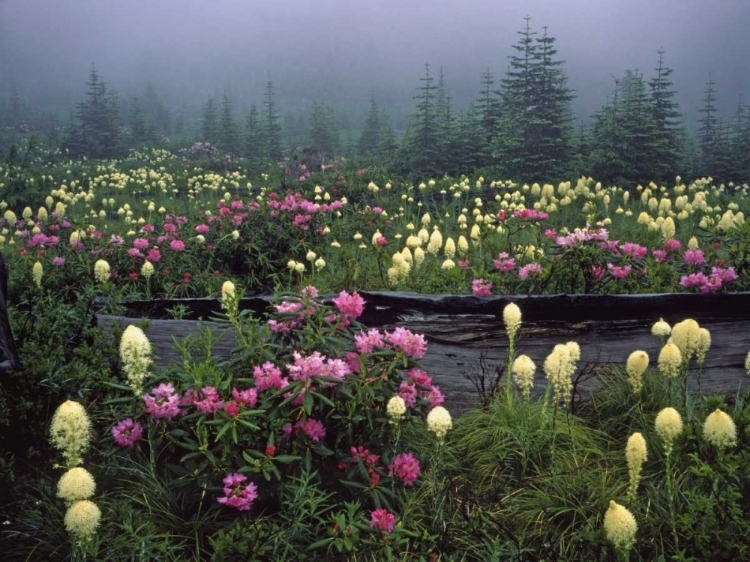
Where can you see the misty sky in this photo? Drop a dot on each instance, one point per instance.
(343, 51)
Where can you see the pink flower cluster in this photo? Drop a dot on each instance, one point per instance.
(579, 236)
(708, 283)
(237, 494)
(406, 467)
(417, 378)
(530, 215)
(504, 262)
(162, 402)
(619, 271)
(351, 306)
(530, 270)
(316, 365)
(481, 288)
(127, 432)
(382, 519)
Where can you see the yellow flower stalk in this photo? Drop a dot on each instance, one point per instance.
(448, 264)
(435, 243)
(37, 273)
(686, 335)
(719, 430)
(702, 346)
(523, 374)
(661, 328)
(147, 269)
(636, 454)
(439, 422)
(463, 246)
(559, 370)
(450, 248)
(620, 527)
(135, 354)
(101, 271)
(71, 432)
(635, 367)
(76, 484)
(668, 426)
(512, 320)
(396, 408)
(670, 359)
(82, 519)
(747, 363)
(574, 350)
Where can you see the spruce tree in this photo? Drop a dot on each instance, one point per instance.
(369, 141)
(421, 149)
(210, 123)
(387, 146)
(324, 133)
(606, 160)
(272, 127)
(488, 113)
(666, 117)
(638, 131)
(253, 135)
(708, 134)
(136, 124)
(228, 135)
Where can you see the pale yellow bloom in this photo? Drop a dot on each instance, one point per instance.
(71, 431)
(135, 354)
(37, 272)
(523, 373)
(396, 408)
(559, 370)
(686, 335)
(719, 430)
(101, 271)
(147, 269)
(703, 345)
(635, 367)
(76, 484)
(668, 426)
(82, 519)
(620, 526)
(439, 421)
(661, 328)
(670, 359)
(512, 319)
(636, 454)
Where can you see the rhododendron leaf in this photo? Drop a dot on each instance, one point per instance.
(323, 451)
(116, 386)
(286, 459)
(320, 543)
(223, 430)
(247, 424)
(324, 399)
(307, 402)
(353, 484)
(187, 444)
(123, 400)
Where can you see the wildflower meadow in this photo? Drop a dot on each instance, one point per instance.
(322, 438)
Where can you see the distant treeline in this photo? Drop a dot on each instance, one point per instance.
(521, 126)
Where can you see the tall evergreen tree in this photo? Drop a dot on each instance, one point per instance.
(273, 128)
(369, 141)
(421, 148)
(638, 131)
(666, 117)
(606, 160)
(387, 146)
(708, 135)
(210, 123)
(228, 135)
(740, 144)
(324, 132)
(488, 111)
(253, 135)
(136, 124)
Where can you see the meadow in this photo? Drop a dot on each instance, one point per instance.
(324, 439)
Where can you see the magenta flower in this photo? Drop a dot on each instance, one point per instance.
(382, 519)
(694, 281)
(618, 271)
(504, 262)
(135, 253)
(419, 377)
(411, 344)
(210, 403)
(237, 494)
(433, 395)
(481, 288)
(672, 245)
(268, 376)
(350, 305)
(162, 402)
(367, 342)
(58, 261)
(633, 250)
(408, 392)
(406, 468)
(177, 245)
(660, 256)
(140, 243)
(314, 429)
(530, 270)
(694, 257)
(247, 397)
(116, 240)
(127, 432)
(202, 229)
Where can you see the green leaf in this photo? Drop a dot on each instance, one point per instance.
(286, 459)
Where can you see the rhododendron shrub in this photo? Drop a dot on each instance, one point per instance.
(307, 390)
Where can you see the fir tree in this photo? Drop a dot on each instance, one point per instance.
(388, 146)
(708, 134)
(324, 133)
(488, 111)
(253, 135)
(136, 124)
(638, 131)
(666, 117)
(369, 141)
(273, 129)
(210, 123)
(606, 161)
(228, 135)
(421, 149)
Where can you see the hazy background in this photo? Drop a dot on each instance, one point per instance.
(343, 51)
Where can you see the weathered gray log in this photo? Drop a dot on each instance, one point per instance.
(461, 328)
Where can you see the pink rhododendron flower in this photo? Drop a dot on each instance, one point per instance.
(530, 270)
(247, 397)
(177, 245)
(162, 402)
(694, 281)
(237, 494)
(633, 250)
(268, 376)
(408, 392)
(406, 467)
(411, 344)
(367, 342)
(618, 271)
(660, 256)
(58, 261)
(672, 245)
(434, 396)
(419, 377)
(210, 403)
(694, 257)
(202, 229)
(481, 288)
(382, 519)
(127, 432)
(350, 306)
(232, 409)
(140, 243)
(154, 255)
(504, 262)
(314, 429)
